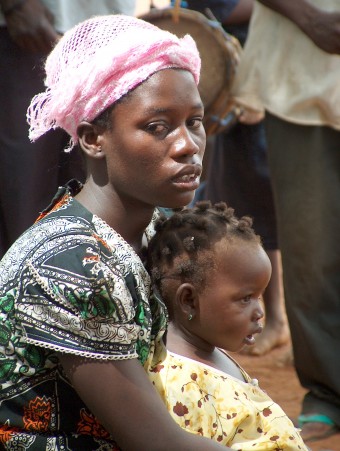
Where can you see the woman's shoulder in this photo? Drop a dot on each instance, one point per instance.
(48, 235)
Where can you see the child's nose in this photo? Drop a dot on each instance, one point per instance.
(258, 312)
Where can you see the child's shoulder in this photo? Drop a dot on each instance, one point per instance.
(235, 367)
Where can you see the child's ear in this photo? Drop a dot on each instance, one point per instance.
(90, 139)
(187, 301)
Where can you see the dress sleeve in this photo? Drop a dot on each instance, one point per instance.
(74, 298)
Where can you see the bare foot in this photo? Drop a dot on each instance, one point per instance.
(273, 336)
(287, 359)
(314, 431)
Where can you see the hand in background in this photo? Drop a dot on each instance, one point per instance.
(250, 117)
(31, 27)
(324, 30)
(322, 27)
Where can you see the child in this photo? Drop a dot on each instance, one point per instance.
(211, 270)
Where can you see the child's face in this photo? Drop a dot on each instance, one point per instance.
(230, 312)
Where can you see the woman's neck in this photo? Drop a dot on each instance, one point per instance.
(127, 218)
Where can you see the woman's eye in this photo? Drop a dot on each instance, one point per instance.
(157, 129)
(195, 122)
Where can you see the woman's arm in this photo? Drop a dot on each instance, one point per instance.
(125, 402)
(322, 27)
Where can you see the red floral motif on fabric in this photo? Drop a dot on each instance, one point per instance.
(100, 239)
(37, 415)
(180, 409)
(6, 432)
(157, 369)
(89, 425)
(63, 201)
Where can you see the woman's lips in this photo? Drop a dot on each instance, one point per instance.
(189, 178)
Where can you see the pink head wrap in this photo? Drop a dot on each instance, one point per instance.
(98, 61)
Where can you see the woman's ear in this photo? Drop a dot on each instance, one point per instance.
(90, 139)
(187, 301)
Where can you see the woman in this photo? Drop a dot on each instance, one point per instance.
(76, 322)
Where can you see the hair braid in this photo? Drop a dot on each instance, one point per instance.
(176, 251)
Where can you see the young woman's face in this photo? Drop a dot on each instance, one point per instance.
(230, 312)
(155, 148)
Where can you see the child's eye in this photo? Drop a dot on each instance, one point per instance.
(246, 300)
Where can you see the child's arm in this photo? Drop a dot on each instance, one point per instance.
(124, 401)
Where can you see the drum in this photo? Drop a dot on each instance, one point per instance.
(220, 53)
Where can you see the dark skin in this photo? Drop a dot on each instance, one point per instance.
(226, 312)
(155, 141)
(241, 13)
(31, 26)
(125, 384)
(158, 129)
(276, 332)
(322, 27)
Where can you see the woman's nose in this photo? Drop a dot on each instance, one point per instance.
(186, 144)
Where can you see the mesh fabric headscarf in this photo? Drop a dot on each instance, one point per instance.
(96, 63)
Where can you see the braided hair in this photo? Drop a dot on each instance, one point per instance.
(183, 246)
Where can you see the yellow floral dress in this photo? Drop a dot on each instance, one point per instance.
(237, 414)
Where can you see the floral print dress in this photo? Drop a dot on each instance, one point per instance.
(69, 284)
(235, 413)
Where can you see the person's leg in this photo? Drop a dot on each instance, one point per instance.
(238, 174)
(305, 168)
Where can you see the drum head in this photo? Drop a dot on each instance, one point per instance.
(217, 67)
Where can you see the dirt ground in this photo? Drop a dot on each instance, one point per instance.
(278, 379)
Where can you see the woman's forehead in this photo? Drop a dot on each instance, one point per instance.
(167, 84)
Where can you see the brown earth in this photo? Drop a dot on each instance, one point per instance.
(276, 375)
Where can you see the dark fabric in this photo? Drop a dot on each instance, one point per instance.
(221, 9)
(29, 173)
(69, 284)
(305, 167)
(239, 175)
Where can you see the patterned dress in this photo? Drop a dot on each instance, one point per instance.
(209, 402)
(69, 284)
